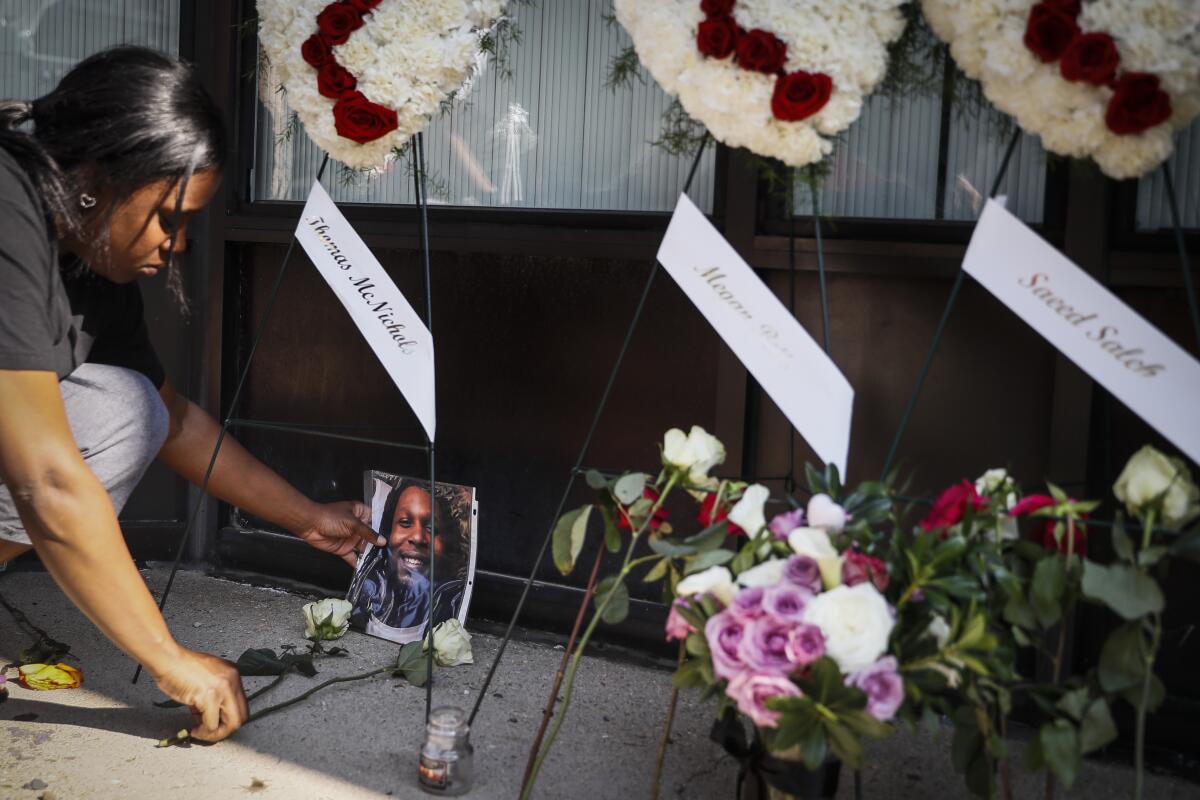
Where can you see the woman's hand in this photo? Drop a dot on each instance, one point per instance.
(342, 529)
(211, 688)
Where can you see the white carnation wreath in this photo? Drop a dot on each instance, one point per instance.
(717, 57)
(1107, 79)
(365, 75)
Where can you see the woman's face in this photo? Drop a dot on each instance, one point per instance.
(409, 538)
(139, 239)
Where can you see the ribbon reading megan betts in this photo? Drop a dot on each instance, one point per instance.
(385, 318)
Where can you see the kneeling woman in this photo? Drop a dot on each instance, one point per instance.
(96, 196)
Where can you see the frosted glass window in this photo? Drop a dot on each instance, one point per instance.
(546, 133)
(1153, 211)
(40, 40)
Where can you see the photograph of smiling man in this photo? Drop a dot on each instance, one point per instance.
(390, 592)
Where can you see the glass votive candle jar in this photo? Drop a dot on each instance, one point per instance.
(447, 758)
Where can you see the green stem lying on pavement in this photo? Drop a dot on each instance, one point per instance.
(305, 695)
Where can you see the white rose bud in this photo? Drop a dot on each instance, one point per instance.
(822, 512)
(748, 512)
(1148, 475)
(814, 543)
(765, 574)
(856, 622)
(451, 644)
(991, 480)
(717, 581)
(693, 454)
(939, 629)
(326, 619)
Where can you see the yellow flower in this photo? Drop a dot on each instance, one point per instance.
(50, 676)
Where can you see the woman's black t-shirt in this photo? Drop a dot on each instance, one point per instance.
(55, 319)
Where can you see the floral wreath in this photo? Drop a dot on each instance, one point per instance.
(1107, 79)
(774, 76)
(365, 75)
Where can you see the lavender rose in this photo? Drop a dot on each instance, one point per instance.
(884, 687)
(803, 571)
(748, 603)
(805, 645)
(783, 524)
(724, 633)
(786, 602)
(751, 692)
(763, 646)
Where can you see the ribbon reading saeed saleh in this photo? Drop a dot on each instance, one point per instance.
(385, 318)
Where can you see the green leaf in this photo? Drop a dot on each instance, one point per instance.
(1125, 589)
(612, 535)
(1122, 544)
(412, 664)
(744, 560)
(1152, 555)
(816, 481)
(1019, 612)
(568, 538)
(1158, 693)
(710, 559)
(864, 724)
(697, 645)
(260, 661)
(844, 744)
(1097, 728)
(618, 606)
(44, 651)
(1049, 582)
(689, 676)
(658, 572)
(967, 742)
(1060, 748)
(1121, 663)
(1057, 493)
(1074, 703)
(670, 548)
(710, 538)
(595, 480)
(629, 488)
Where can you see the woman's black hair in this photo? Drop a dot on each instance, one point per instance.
(120, 120)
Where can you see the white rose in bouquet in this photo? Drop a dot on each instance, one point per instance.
(326, 619)
(765, 574)
(814, 543)
(748, 512)
(823, 512)
(1152, 480)
(451, 644)
(693, 454)
(717, 581)
(856, 622)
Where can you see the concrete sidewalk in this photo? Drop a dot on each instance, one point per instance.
(360, 740)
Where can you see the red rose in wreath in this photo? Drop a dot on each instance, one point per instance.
(761, 51)
(316, 51)
(1049, 31)
(358, 119)
(1091, 57)
(334, 81)
(717, 37)
(1137, 104)
(799, 95)
(338, 21)
(717, 8)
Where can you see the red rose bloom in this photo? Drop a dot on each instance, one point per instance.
(660, 516)
(1049, 31)
(717, 37)
(1045, 531)
(338, 21)
(710, 514)
(717, 8)
(761, 51)
(951, 506)
(1091, 57)
(799, 95)
(316, 52)
(364, 6)
(358, 119)
(859, 568)
(334, 80)
(1137, 104)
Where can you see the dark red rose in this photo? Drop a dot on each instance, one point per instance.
(1044, 533)
(799, 95)
(364, 6)
(358, 119)
(1049, 31)
(316, 52)
(334, 81)
(717, 8)
(761, 51)
(1091, 57)
(710, 514)
(660, 516)
(338, 21)
(859, 568)
(951, 506)
(1071, 7)
(1137, 104)
(717, 37)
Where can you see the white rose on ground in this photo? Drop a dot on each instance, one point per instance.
(1149, 474)
(822, 512)
(451, 644)
(717, 581)
(748, 512)
(693, 454)
(856, 622)
(326, 619)
(814, 543)
(765, 574)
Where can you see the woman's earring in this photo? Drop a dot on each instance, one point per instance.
(86, 200)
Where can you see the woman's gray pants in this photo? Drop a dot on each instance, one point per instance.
(119, 423)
